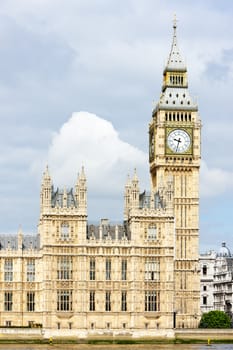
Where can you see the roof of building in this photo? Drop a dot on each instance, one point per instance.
(176, 98)
(175, 95)
(175, 61)
(63, 198)
(10, 241)
(106, 231)
(224, 251)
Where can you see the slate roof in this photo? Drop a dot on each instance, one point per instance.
(145, 200)
(10, 241)
(58, 198)
(108, 231)
(176, 98)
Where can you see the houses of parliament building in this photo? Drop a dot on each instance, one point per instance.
(141, 276)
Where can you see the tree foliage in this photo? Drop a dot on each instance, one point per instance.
(215, 319)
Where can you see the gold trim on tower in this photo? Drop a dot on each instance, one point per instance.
(179, 141)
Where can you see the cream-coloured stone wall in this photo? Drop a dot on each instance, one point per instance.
(136, 251)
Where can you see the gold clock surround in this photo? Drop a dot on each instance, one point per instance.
(189, 131)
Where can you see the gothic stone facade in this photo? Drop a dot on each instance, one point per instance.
(140, 275)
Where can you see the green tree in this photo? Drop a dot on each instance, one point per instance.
(215, 319)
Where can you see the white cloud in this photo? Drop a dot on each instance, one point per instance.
(62, 56)
(86, 139)
(215, 181)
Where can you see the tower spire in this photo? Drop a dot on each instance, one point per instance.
(175, 94)
(175, 61)
(174, 21)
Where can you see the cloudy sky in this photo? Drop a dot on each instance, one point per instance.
(78, 79)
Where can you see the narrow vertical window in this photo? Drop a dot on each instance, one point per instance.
(108, 269)
(123, 301)
(31, 270)
(92, 301)
(124, 270)
(31, 301)
(8, 270)
(8, 302)
(64, 268)
(151, 300)
(204, 270)
(65, 231)
(64, 300)
(151, 233)
(92, 269)
(152, 270)
(108, 301)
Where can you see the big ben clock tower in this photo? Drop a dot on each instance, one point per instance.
(174, 152)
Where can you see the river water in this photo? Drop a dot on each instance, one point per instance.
(117, 347)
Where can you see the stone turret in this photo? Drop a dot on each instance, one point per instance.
(127, 198)
(135, 191)
(81, 191)
(46, 191)
(131, 196)
(63, 212)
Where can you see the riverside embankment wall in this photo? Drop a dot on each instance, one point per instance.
(37, 335)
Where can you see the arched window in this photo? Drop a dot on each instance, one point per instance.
(65, 231)
(204, 270)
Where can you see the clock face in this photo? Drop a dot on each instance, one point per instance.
(178, 141)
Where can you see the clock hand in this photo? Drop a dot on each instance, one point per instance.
(178, 142)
